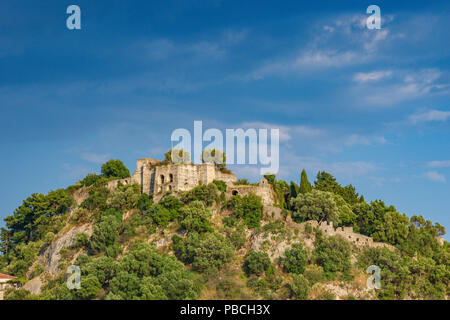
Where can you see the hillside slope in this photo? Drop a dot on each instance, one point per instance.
(315, 242)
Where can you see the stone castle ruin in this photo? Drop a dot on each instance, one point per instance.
(156, 178)
(263, 189)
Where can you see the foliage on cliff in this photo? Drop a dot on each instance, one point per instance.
(198, 244)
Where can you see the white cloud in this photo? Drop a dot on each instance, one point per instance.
(406, 85)
(439, 164)
(380, 35)
(329, 58)
(435, 176)
(429, 115)
(372, 76)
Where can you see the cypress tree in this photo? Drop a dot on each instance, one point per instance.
(305, 186)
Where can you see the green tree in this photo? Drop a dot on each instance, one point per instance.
(208, 194)
(305, 186)
(195, 217)
(105, 233)
(315, 205)
(115, 169)
(295, 259)
(172, 204)
(333, 254)
(89, 289)
(207, 252)
(346, 215)
(249, 208)
(92, 179)
(326, 182)
(35, 217)
(125, 197)
(256, 263)
(81, 240)
(294, 190)
(97, 198)
(125, 286)
(160, 215)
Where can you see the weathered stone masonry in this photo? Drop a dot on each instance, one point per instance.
(156, 178)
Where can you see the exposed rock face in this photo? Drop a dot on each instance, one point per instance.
(343, 290)
(52, 256)
(81, 195)
(34, 286)
(276, 248)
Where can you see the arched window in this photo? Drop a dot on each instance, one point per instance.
(171, 177)
(234, 192)
(162, 178)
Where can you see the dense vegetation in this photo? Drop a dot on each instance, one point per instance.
(198, 244)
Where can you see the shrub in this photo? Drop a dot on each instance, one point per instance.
(163, 276)
(249, 208)
(221, 185)
(160, 215)
(96, 199)
(205, 193)
(256, 263)
(195, 217)
(333, 254)
(81, 240)
(144, 203)
(105, 233)
(295, 259)
(238, 237)
(89, 289)
(172, 204)
(92, 179)
(80, 215)
(313, 273)
(207, 252)
(300, 287)
(125, 197)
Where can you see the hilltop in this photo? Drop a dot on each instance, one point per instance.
(184, 231)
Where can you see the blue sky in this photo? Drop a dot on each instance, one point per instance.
(370, 106)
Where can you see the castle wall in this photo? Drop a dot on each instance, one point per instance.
(347, 233)
(264, 190)
(155, 178)
(206, 173)
(228, 178)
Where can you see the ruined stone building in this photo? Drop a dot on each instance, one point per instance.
(157, 178)
(263, 189)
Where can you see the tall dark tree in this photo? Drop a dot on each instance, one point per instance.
(305, 186)
(294, 190)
